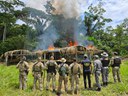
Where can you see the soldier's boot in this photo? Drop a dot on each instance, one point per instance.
(106, 83)
(54, 90)
(98, 89)
(76, 91)
(34, 87)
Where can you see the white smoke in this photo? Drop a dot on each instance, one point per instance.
(69, 8)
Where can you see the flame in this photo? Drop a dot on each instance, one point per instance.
(72, 43)
(51, 47)
(90, 47)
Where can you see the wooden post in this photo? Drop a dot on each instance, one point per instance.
(6, 60)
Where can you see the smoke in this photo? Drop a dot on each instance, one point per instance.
(67, 25)
(69, 8)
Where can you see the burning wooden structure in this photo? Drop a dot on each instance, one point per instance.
(67, 52)
(14, 56)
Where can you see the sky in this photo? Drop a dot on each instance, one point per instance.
(115, 9)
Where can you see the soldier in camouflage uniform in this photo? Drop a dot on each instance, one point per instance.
(63, 75)
(37, 73)
(75, 71)
(115, 63)
(51, 67)
(23, 72)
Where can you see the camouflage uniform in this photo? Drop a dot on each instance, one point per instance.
(116, 68)
(23, 72)
(51, 67)
(75, 71)
(37, 73)
(63, 75)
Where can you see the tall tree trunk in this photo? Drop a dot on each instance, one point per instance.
(4, 33)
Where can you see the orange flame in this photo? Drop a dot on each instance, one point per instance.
(90, 46)
(73, 43)
(51, 47)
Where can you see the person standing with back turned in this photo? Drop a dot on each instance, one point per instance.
(116, 61)
(97, 71)
(105, 68)
(87, 70)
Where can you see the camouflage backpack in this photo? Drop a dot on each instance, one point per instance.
(62, 70)
(75, 69)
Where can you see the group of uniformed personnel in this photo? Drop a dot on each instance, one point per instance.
(72, 71)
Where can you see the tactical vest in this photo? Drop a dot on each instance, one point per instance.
(75, 69)
(51, 67)
(117, 62)
(105, 63)
(37, 68)
(22, 67)
(62, 70)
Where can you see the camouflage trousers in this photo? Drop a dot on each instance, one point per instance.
(116, 74)
(74, 79)
(97, 79)
(61, 79)
(37, 77)
(23, 80)
(49, 77)
(105, 72)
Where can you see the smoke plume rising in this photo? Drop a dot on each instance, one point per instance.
(69, 8)
(65, 21)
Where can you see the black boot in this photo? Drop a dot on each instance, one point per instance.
(54, 90)
(106, 83)
(98, 89)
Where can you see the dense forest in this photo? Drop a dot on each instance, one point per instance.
(33, 32)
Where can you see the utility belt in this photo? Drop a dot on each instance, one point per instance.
(22, 71)
(52, 73)
(37, 71)
(66, 74)
(98, 70)
(116, 67)
(105, 67)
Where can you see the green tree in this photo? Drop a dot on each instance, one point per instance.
(94, 19)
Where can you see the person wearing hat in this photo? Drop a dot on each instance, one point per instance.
(105, 70)
(63, 76)
(87, 70)
(97, 70)
(115, 63)
(37, 73)
(51, 67)
(23, 72)
(75, 71)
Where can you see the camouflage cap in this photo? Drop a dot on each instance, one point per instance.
(52, 57)
(39, 58)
